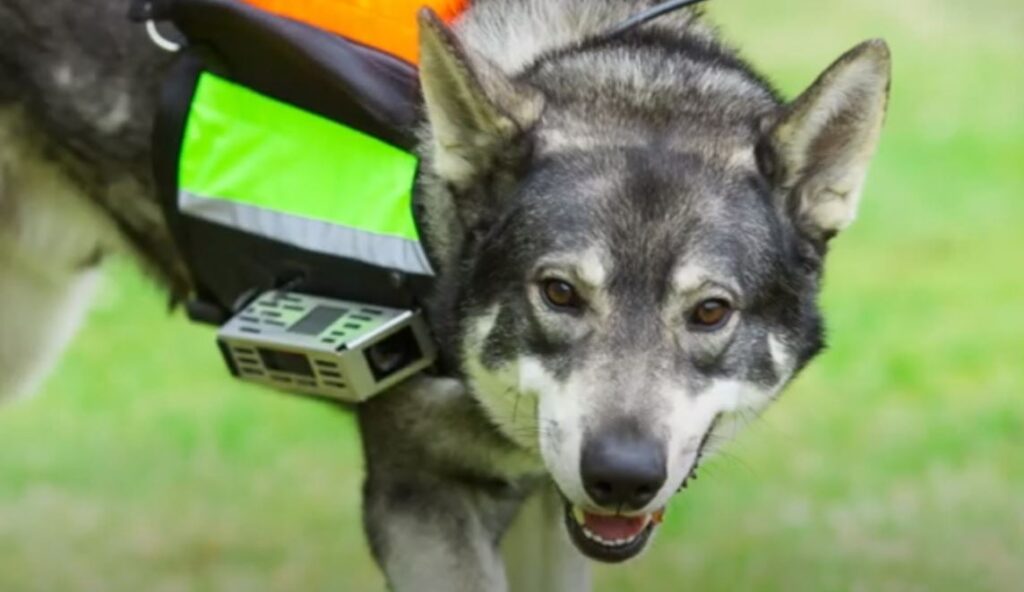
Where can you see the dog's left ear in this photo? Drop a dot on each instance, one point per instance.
(475, 111)
(818, 150)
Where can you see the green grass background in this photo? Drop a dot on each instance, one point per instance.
(896, 462)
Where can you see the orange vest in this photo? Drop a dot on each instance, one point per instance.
(387, 25)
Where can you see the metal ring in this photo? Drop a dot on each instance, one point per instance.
(159, 40)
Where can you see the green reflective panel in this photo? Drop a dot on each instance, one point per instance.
(244, 147)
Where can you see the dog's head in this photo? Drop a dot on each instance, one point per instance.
(631, 266)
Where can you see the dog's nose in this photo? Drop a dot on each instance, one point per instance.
(622, 471)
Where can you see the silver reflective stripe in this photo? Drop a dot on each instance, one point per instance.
(314, 235)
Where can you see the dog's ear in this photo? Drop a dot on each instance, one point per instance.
(819, 147)
(475, 112)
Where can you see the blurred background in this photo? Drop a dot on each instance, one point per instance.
(896, 461)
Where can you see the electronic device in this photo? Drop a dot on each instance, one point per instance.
(325, 347)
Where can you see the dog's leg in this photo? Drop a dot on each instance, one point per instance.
(430, 535)
(539, 556)
(441, 488)
(52, 239)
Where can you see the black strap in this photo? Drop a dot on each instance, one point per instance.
(649, 15)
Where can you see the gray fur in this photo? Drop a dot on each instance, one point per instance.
(652, 171)
(87, 79)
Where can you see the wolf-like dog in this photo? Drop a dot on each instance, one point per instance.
(628, 230)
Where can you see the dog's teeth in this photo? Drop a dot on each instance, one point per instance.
(605, 542)
(577, 514)
(598, 539)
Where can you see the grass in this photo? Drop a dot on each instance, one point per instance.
(896, 462)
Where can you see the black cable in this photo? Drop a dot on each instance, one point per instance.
(649, 15)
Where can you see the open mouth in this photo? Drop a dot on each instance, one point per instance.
(610, 538)
(615, 538)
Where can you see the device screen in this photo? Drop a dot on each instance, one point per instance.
(317, 320)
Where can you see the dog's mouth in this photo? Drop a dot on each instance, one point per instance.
(610, 538)
(614, 538)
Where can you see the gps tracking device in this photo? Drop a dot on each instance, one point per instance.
(284, 158)
(325, 347)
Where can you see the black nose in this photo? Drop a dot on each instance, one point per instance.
(622, 470)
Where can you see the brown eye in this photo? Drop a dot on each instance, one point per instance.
(561, 294)
(710, 314)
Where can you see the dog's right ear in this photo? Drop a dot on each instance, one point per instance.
(475, 112)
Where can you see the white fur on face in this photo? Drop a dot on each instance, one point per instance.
(530, 406)
(510, 408)
(691, 278)
(730, 424)
(692, 416)
(560, 414)
(733, 402)
(591, 267)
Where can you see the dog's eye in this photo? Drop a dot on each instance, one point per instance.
(560, 294)
(710, 314)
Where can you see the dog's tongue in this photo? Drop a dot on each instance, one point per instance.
(613, 528)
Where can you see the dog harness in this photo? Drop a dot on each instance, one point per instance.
(283, 148)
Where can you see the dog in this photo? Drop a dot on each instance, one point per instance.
(628, 230)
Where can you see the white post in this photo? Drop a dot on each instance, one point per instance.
(539, 557)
